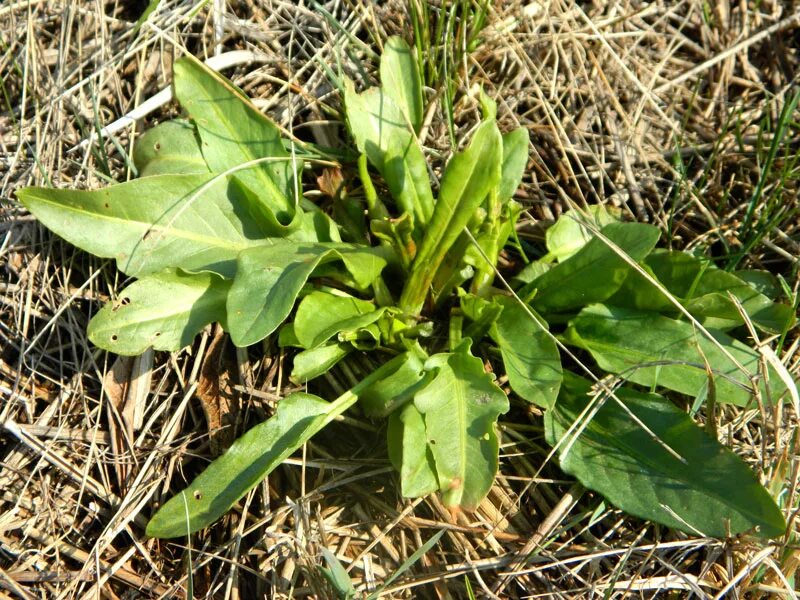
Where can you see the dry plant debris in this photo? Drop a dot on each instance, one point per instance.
(673, 112)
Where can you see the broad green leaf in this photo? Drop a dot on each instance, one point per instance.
(380, 131)
(762, 281)
(400, 79)
(410, 453)
(233, 132)
(568, 234)
(460, 407)
(321, 315)
(596, 271)
(530, 355)
(384, 396)
(269, 279)
(515, 159)
(192, 222)
(310, 364)
(252, 457)
(170, 148)
(712, 493)
(164, 311)
(468, 178)
(242, 466)
(654, 350)
(531, 272)
(705, 291)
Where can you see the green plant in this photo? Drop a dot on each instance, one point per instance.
(216, 229)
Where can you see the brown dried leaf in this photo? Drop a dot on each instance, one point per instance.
(215, 390)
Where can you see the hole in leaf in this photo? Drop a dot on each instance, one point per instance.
(114, 337)
(156, 334)
(157, 146)
(198, 495)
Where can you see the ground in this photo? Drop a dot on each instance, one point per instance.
(680, 114)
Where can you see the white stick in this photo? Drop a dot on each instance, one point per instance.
(218, 63)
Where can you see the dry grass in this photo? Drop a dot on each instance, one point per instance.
(664, 109)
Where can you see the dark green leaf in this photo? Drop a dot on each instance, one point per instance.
(530, 355)
(164, 311)
(170, 148)
(596, 271)
(705, 291)
(384, 396)
(712, 493)
(654, 350)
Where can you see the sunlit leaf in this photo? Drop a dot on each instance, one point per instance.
(460, 407)
(400, 79)
(169, 148)
(380, 131)
(193, 222)
(232, 132)
(270, 278)
(164, 311)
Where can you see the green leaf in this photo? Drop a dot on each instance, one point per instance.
(530, 355)
(380, 131)
(460, 407)
(596, 271)
(384, 396)
(232, 132)
(467, 180)
(192, 222)
(269, 279)
(400, 79)
(164, 311)
(242, 466)
(568, 234)
(654, 350)
(321, 315)
(310, 364)
(712, 493)
(411, 454)
(705, 291)
(515, 159)
(337, 576)
(170, 148)
(251, 458)
(762, 281)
